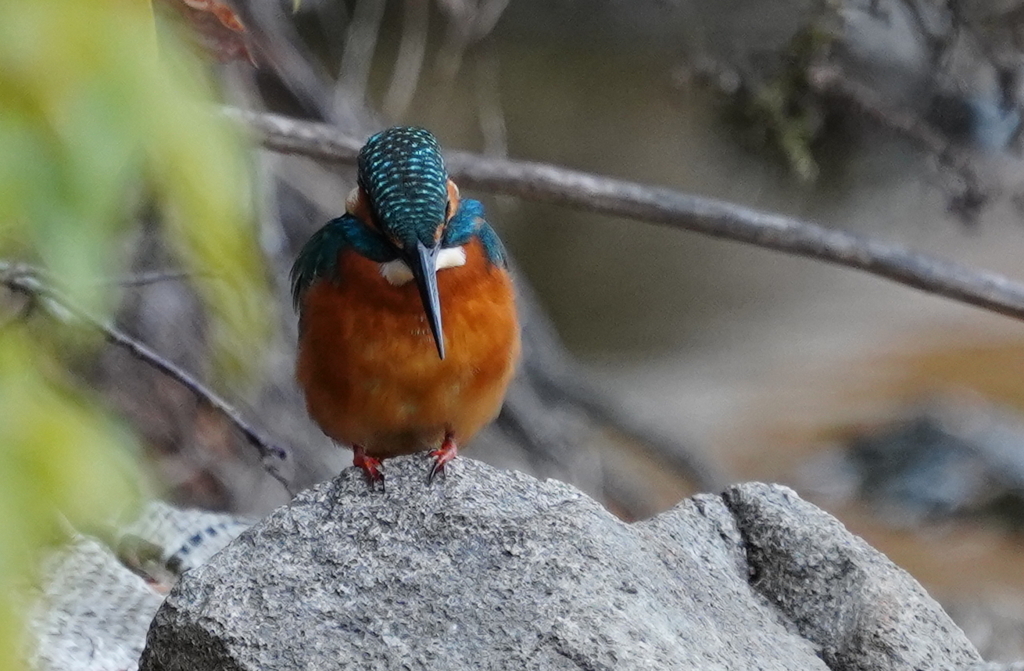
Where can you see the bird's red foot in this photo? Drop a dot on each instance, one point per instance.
(448, 451)
(370, 465)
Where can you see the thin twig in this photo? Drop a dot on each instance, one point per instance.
(675, 209)
(26, 281)
(831, 80)
(149, 277)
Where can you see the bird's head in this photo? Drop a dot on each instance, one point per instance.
(410, 199)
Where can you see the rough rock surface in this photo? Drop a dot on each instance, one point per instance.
(495, 570)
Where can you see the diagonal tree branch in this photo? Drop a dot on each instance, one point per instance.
(27, 280)
(668, 207)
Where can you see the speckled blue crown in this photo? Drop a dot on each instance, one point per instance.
(402, 172)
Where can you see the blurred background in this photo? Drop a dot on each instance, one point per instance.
(661, 363)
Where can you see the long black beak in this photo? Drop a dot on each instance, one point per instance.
(424, 268)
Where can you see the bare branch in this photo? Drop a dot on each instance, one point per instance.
(28, 281)
(675, 209)
(292, 136)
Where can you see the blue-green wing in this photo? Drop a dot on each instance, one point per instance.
(319, 256)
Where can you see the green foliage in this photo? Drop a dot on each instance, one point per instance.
(93, 118)
(62, 458)
(781, 113)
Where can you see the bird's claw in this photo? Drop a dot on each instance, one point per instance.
(370, 466)
(448, 451)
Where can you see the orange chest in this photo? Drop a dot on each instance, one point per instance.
(362, 316)
(368, 363)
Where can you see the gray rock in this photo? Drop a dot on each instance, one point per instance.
(856, 606)
(496, 570)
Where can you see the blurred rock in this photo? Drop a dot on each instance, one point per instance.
(995, 625)
(490, 569)
(985, 123)
(882, 45)
(953, 458)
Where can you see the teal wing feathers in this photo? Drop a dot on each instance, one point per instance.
(319, 256)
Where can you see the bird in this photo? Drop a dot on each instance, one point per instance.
(408, 331)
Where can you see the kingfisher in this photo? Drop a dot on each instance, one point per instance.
(408, 334)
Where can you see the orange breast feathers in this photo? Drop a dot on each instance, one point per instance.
(369, 367)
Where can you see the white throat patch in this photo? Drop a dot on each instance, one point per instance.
(397, 273)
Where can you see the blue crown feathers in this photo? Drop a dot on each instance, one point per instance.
(402, 172)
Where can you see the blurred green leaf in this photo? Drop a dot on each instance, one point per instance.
(93, 115)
